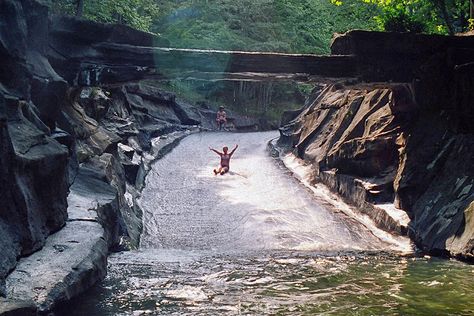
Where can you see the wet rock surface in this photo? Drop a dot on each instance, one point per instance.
(184, 205)
(71, 261)
(200, 228)
(14, 307)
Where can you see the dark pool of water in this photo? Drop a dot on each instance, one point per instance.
(187, 283)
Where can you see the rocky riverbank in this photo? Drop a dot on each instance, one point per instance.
(74, 155)
(398, 146)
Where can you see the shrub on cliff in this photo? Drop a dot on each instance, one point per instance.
(431, 16)
(401, 22)
(139, 14)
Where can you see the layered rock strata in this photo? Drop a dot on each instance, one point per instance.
(391, 147)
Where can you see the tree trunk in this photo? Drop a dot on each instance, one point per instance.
(79, 8)
(472, 9)
(445, 15)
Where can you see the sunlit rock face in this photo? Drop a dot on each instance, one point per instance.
(351, 136)
(375, 144)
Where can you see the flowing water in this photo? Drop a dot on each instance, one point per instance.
(257, 242)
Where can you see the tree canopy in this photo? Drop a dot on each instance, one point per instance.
(303, 26)
(139, 14)
(430, 16)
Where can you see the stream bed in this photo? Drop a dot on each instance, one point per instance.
(257, 242)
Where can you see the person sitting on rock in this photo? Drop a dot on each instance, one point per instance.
(225, 160)
(221, 118)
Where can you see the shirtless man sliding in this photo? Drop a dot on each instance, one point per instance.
(225, 160)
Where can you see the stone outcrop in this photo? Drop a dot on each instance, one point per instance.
(33, 172)
(401, 57)
(350, 135)
(408, 146)
(117, 54)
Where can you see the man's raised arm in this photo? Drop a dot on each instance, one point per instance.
(232, 152)
(212, 149)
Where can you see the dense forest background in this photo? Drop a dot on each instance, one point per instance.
(304, 26)
(264, 25)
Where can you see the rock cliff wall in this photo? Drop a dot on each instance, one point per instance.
(74, 155)
(406, 146)
(34, 164)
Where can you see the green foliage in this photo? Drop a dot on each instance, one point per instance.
(66, 7)
(431, 16)
(296, 26)
(139, 14)
(399, 21)
(302, 26)
(265, 100)
(305, 88)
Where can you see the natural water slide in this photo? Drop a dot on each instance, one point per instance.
(256, 241)
(258, 206)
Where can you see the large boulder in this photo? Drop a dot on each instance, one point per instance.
(41, 180)
(150, 104)
(435, 185)
(354, 131)
(188, 114)
(398, 57)
(34, 184)
(76, 54)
